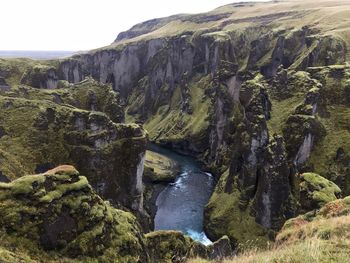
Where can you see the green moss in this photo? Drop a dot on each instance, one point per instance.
(64, 189)
(23, 185)
(172, 246)
(171, 124)
(318, 188)
(223, 216)
(337, 136)
(14, 68)
(100, 232)
(159, 168)
(280, 111)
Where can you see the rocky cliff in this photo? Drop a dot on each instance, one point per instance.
(261, 93)
(76, 124)
(257, 91)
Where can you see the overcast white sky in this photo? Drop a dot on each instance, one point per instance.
(82, 24)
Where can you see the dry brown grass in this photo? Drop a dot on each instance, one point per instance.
(324, 240)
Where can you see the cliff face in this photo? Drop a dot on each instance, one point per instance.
(259, 92)
(195, 78)
(42, 128)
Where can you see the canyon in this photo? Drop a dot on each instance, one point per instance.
(255, 94)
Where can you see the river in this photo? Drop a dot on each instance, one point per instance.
(181, 204)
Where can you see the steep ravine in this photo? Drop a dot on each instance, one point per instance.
(181, 204)
(261, 99)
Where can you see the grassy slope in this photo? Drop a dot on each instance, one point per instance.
(224, 216)
(175, 124)
(328, 16)
(322, 236)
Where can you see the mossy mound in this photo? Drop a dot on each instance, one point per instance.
(159, 168)
(173, 246)
(315, 191)
(59, 212)
(87, 95)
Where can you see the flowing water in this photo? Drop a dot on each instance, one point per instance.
(181, 204)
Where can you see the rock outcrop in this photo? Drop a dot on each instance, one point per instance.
(40, 134)
(316, 191)
(41, 76)
(159, 171)
(58, 211)
(177, 248)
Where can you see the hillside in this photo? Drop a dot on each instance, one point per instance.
(318, 236)
(326, 16)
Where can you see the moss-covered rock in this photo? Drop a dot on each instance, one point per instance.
(159, 171)
(315, 191)
(42, 134)
(58, 211)
(40, 76)
(172, 246)
(223, 215)
(159, 168)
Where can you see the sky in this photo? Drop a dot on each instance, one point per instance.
(77, 25)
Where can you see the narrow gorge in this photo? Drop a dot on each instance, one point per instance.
(180, 205)
(190, 137)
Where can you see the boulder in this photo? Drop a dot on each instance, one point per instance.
(220, 249)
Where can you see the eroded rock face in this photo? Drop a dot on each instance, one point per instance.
(256, 104)
(3, 85)
(40, 76)
(109, 154)
(156, 77)
(273, 200)
(263, 182)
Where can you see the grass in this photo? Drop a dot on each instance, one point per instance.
(327, 17)
(172, 124)
(223, 215)
(338, 135)
(281, 110)
(324, 240)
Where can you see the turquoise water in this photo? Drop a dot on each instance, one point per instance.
(181, 204)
